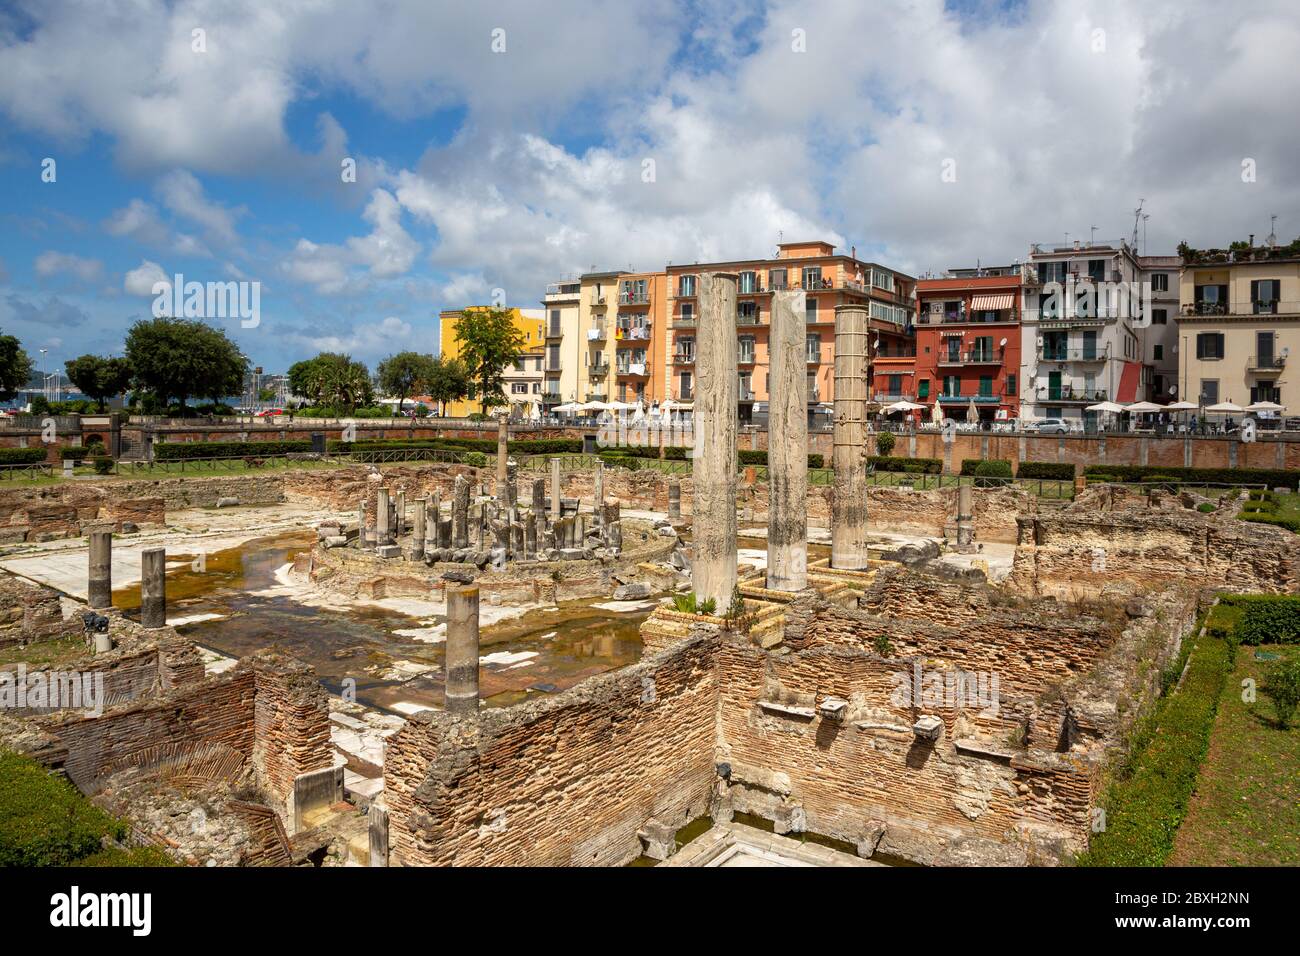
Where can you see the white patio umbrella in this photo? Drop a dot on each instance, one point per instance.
(1265, 407)
(594, 407)
(1105, 407)
(1143, 408)
(972, 413)
(936, 415)
(903, 406)
(568, 408)
(1182, 407)
(638, 414)
(1225, 408)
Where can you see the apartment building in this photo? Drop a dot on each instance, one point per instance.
(968, 343)
(828, 279)
(530, 322)
(1158, 338)
(564, 349)
(1239, 322)
(1084, 306)
(522, 381)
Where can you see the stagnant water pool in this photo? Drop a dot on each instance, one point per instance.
(234, 603)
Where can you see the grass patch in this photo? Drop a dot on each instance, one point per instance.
(1149, 795)
(1246, 809)
(52, 653)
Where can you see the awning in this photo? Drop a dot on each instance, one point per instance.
(1128, 382)
(987, 303)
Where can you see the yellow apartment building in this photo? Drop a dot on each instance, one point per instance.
(531, 322)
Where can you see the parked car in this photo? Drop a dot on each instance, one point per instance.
(1049, 426)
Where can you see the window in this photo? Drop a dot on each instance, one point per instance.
(1160, 282)
(1097, 269)
(776, 278)
(687, 310)
(986, 386)
(1264, 294)
(1211, 299)
(810, 310)
(1011, 383)
(951, 386)
(1209, 345)
(1051, 272)
(746, 353)
(748, 282)
(895, 385)
(555, 322)
(1159, 353)
(813, 346)
(518, 388)
(684, 385)
(1209, 391)
(686, 285)
(923, 388)
(747, 312)
(812, 277)
(882, 279)
(1159, 316)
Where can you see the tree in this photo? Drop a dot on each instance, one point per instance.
(98, 377)
(15, 368)
(488, 343)
(448, 382)
(402, 374)
(179, 359)
(333, 380)
(1282, 686)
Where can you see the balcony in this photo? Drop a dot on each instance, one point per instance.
(684, 394)
(597, 300)
(686, 292)
(1271, 307)
(634, 369)
(1068, 394)
(822, 284)
(1266, 363)
(562, 292)
(598, 371)
(967, 399)
(1048, 353)
(684, 357)
(756, 289)
(555, 331)
(634, 333)
(634, 298)
(596, 395)
(814, 357)
(597, 333)
(744, 395)
(974, 357)
(749, 320)
(814, 394)
(745, 358)
(888, 398)
(684, 321)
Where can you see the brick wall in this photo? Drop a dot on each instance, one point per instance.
(566, 781)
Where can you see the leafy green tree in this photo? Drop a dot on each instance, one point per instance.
(489, 342)
(15, 368)
(332, 380)
(1282, 686)
(448, 382)
(98, 377)
(403, 374)
(179, 359)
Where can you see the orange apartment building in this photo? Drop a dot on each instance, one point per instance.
(830, 280)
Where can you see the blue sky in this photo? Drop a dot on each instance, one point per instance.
(506, 160)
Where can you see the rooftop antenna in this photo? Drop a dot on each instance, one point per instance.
(1145, 217)
(1272, 231)
(1137, 217)
(1092, 236)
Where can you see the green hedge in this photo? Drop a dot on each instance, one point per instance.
(915, 466)
(1272, 477)
(1148, 799)
(755, 456)
(21, 456)
(1053, 470)
(1266, 618)
(175, 451)
(986, 467)
(44, 821)
(487, 446)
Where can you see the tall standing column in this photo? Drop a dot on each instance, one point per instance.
(714, 468)
(598, 493)
(787, 457)
(555, 489)
(382, 512)
(503, 457)
(153, 588)
(849, 493)
(460, 513)
(400, 522)
(417, 538)
(462, 650)
(99, 587)
(965, 516)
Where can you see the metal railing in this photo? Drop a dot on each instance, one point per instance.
(1049, 354)
(1271, 307)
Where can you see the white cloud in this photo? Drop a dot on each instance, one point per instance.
(140, 280)
(137, 220)
(388, 251)
(182, 193)
(50, 263)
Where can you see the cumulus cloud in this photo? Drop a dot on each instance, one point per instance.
(54, 312)
(181, 192)
(140, 280)
(50, 264)
(387, 251)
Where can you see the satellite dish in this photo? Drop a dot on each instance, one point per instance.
(1173, 389)
(1003, 343)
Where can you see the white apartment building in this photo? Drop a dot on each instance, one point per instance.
(1098, 324)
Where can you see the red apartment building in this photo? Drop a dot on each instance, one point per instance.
(968, 342)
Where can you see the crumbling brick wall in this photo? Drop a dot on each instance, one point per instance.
(291, 721)
(564, 781)
(66, 510)
(28, 612)
(1074, 553)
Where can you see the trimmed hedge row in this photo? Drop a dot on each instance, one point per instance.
(755, 456)
(986, 467)
(914, 466)
(175, 451)
(1266, 618)
(1273, 477)
(1052, 470)
(44, 821)
(487, 446)
(21, 456)
(1148, 799)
